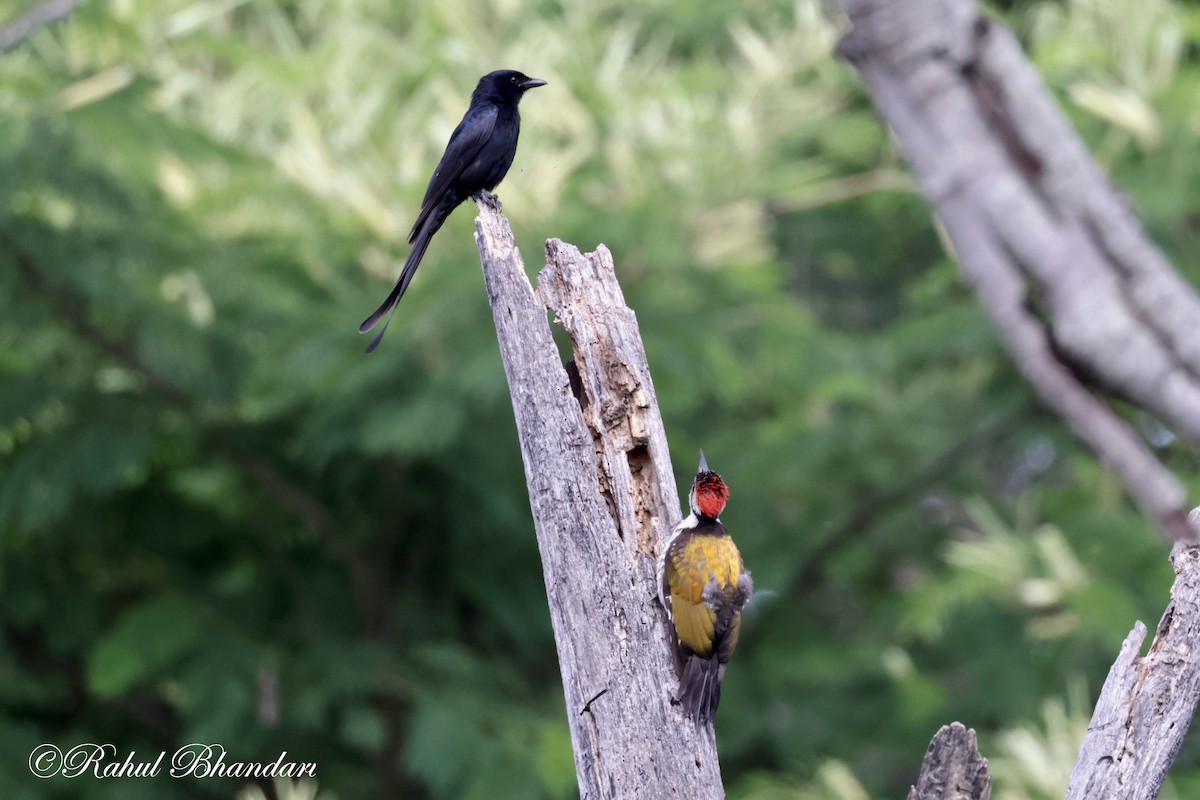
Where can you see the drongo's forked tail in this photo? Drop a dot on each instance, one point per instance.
(388, 307)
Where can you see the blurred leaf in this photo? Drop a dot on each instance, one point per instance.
(145, 640)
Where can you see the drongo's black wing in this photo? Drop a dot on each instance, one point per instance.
(463, 148)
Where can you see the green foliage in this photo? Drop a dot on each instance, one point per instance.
(126, 656)
(219, 522)
(1034, 761)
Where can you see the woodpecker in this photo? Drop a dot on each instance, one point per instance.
(703, 585)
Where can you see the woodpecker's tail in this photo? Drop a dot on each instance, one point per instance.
(700, 688)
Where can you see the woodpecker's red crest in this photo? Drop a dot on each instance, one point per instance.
(711, 494)
(703, 585)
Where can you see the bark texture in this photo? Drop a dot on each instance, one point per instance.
(953, 769)
(1139, 723)
(603, 494)
(1147, 702)
(1084, 302)
(1079, 295)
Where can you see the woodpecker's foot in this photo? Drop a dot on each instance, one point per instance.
(491, 200)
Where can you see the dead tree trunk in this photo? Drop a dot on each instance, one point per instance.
(1075, 289)
(1139, 723)
(1058, 260)
(1147, 702)
(953, 769)
(603, 495)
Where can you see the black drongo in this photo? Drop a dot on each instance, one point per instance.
(477, 157)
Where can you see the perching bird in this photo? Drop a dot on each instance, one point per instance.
(703, 585)
(477, 157)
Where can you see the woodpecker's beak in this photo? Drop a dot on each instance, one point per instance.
(531, 83)
(703, 463)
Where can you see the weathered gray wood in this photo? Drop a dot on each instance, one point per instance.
(602, 491)
(1147, 702)
(1058, 260)
(17, 31)
(1073, 286)
(953, 769)
(1139, 723)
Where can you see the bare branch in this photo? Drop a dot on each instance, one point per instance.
(602, 492)
(24, 26)
(1038, 230)
(1077, 292)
